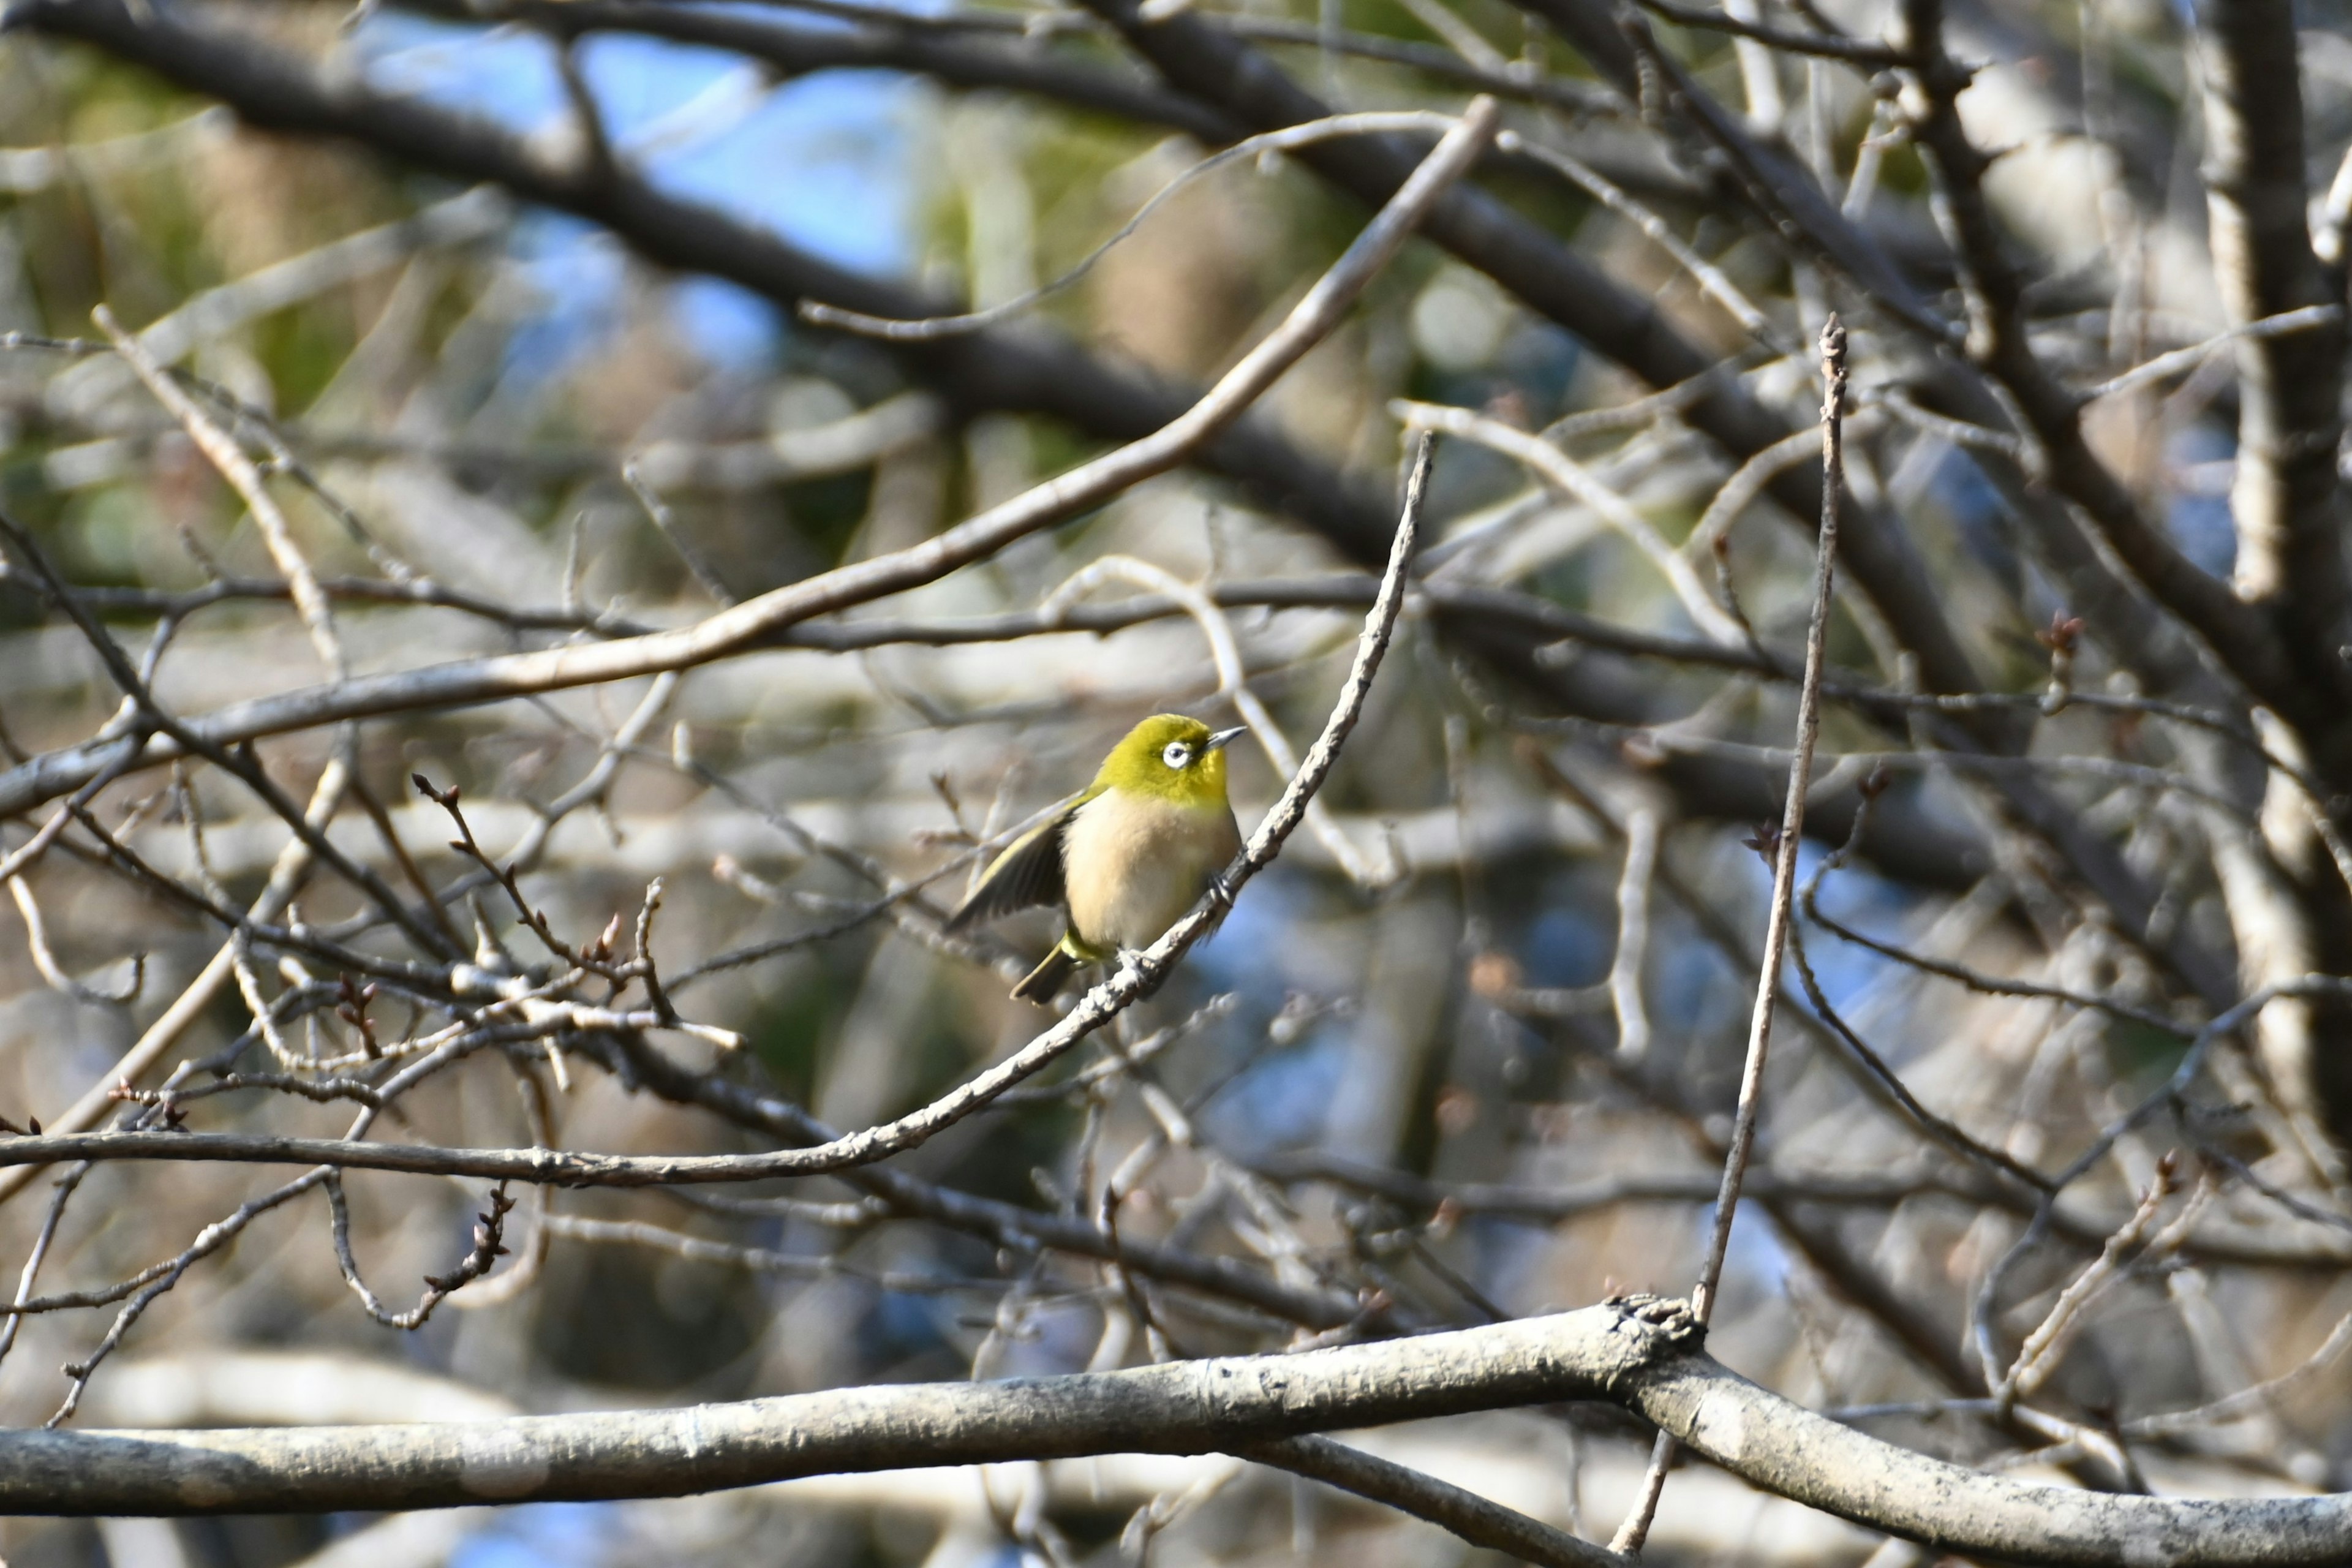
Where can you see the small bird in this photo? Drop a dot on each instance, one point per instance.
(1131, 854)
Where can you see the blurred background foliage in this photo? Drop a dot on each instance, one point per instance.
(1411, 1093)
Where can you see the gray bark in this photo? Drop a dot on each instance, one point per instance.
(1637, 1352)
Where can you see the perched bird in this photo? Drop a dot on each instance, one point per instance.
(1131, 854)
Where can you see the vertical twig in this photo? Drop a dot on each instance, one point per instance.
(1634, 932)
(599, 170)
(221, 451)
(1636, 1528)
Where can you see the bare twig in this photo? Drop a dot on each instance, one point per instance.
(2307, 318)
(662, 519)
(1288, 139)
(226, 455)
(490, 1245)
(1572, 477)
(2038, 1356)
(36, 940)
(1710, 278)
(757, 621)
(1783, 849)
(1133, 980)
(208, 1241)
(1467, 1514)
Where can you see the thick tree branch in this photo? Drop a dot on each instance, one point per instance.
(1638, 1352)
(1793, 1452)
(1198, 1406)
(2242, 638)
(1032, 66)
(2285, 498)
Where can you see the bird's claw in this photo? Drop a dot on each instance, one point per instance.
(1221, 892)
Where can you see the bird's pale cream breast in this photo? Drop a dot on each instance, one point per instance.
(1132, 865)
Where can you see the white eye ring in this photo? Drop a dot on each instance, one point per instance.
(1177, 755)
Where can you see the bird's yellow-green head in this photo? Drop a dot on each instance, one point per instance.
(1172, 757)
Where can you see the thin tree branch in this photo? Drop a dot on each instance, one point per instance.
(1465, 1513)
(225, 456)
(1573, 481)
(1131, 981)
(1821, 46)
(923, 329)
(757, 621)
(1998, 344)
(1782, 909)
(1559, 283)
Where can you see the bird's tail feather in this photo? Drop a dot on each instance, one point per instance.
(1041, 983)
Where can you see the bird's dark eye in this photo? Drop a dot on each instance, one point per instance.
(1177, 755)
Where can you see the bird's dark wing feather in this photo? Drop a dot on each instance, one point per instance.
(1027, 874)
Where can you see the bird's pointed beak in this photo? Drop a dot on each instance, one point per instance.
(1218, 741)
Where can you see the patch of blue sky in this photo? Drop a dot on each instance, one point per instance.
(823, 159)
(1861, 901)
(1853, 896)
(1685, 991)
(826, 162)
(574, 274)
(1756, 1256)
(2201, 459)
(728, 326)
(540, 1535)
(1260, 956)
(503, 74)
(1255, 951)
(1282, 1101)
(1511, 1260)
(894, 1325)
(1566, 944)
(1958, 484)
